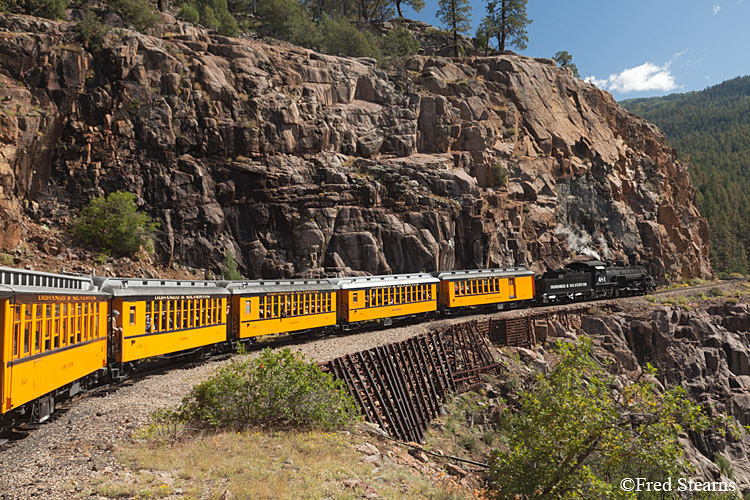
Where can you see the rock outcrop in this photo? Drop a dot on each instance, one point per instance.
(304, 164)
(705, 350)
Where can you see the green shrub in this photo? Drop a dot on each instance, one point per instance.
(343, 38)
(215, 14)
(92, 32)
(717, 292)
(725, 465)
(275, 390)
(189, 13)
(137, 13)
(499, 174)
(114, 225)
(50, 9)
(287, 20)
(208, 17)
(573, 436)
(399, 42)
(468, 442)
(229, 268)
(7, 259)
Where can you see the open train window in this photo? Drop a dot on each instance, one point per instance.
(132, 315)
(512, 288)
(16, 331)
(247, 306)
(37, 327)
(92, 330)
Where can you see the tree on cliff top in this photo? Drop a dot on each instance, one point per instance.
(114, 225)
(456, 15)
(576, 436)
(417, 5)
(565, 60)
(506, 20)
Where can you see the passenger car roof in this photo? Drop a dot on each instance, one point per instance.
(482, 273)
(386, 280)
(259, 287)
(158, 288)
(24, 281)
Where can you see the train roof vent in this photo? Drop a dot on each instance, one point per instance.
(37, 279)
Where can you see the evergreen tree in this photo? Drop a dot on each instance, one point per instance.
(575, 435)
(372, 11)
(341, 37)
(229, 269)
(288, 20)
(565, 60)
(456, 15)
(482, 38)
(417, 5)
(335, 9)
(50, 9)
(507, 21)
(137, 13)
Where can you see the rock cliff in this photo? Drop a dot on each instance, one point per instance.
(706, 351)
(304, 164)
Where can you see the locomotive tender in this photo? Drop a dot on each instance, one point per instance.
(63, 334)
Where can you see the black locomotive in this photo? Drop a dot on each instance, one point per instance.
(592, 279)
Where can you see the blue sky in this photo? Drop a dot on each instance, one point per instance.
(637, 48)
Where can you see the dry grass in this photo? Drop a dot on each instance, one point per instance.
(263, 465)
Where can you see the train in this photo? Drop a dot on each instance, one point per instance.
(64, 334)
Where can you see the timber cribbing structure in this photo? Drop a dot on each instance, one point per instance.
(401, 386)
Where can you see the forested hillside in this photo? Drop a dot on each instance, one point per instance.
(711, 131)
(347, 27)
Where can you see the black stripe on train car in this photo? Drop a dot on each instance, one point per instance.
(53, 351)
(173, 331)
(484, 294)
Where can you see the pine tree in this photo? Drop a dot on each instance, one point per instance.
(417, 5)
(456, 15)
(565, 60)
(507, 21)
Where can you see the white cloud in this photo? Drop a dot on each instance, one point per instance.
(647, 76)
(716, 8)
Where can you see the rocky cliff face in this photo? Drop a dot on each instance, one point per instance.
(302, 164)
(706, 351)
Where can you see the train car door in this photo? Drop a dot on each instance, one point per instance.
(511, 288)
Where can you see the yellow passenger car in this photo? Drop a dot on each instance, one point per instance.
(383, 298)
(52, 343)
(160, 317)
(505, 287)
(269, 307)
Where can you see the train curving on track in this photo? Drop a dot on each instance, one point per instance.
(63, 334)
